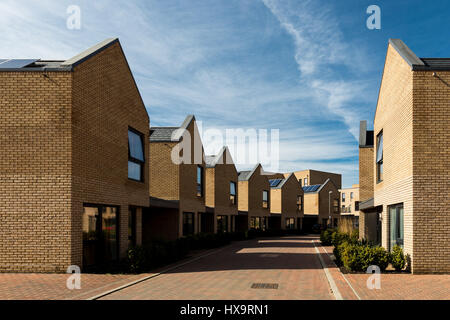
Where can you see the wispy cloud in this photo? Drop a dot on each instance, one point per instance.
(231, 64)
(322, 55)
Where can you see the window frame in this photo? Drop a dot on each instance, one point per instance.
(265, 203)
(200, 186)
(233, 197)
(132, 214)
(299, 202)
(135, 160)
(188, 232)
(99, 230)
(379, 162)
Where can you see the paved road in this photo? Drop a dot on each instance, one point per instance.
(290, 262)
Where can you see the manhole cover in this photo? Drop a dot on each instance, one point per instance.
(265, 286)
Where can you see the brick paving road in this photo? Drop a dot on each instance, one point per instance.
(228, 273)
(290, 262)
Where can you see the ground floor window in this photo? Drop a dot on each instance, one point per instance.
(100, 234)
(290, 223)
(188, 223)
(222, 223)
(258, 223)
(131, 227)
(396, 225)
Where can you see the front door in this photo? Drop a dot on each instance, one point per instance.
(100, 236)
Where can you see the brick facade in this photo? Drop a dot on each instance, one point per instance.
(64, 141)
(413, 114)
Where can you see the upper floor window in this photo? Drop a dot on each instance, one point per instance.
(336, 205)
(265, 199)
(233, 192)
(305, 183)
(351, 195)
(299, 203)
(356, 205)
(199, 181)
(343, 197)
(136, 158)
(380, 157)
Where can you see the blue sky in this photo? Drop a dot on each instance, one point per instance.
(309, 68)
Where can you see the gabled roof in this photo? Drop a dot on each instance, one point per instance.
(27, 65)
(416, 63)
(317, 187)
(283, 181)
(246, 175)
(170, 134)
(211, 161)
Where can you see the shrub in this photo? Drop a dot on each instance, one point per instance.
(397, 258)
(137, 259)
(325, 237)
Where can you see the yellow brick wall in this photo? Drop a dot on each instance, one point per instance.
(35, 171)
(64, 142)
(394, 117)
(106, 102)
(431, 170)
(366, 173)
(224, 174)
(290, 190)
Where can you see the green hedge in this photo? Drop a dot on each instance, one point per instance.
(358, 255)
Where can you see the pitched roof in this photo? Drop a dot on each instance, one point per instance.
(246, 175)
(416, 63)
(312, 188)
(27, 65)
(212, 160)
(169, 134)
(159, 134)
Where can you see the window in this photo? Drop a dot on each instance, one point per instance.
(336, 205)
(233, 192)
(258, 223)
(222, 224)
(305, 183)
(136, 158)
(351, 195)
(343, 197)
(132, 227)
(290, 223)
(188, 223)
(199, 181)
(265, 199)
(396, 226)
(300, 181)
(100, 234)
(380, 157)
(356, 205)
(299, 203)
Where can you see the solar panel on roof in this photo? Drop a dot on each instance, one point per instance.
(16, 63)
(275, 182)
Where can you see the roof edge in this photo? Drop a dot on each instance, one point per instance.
(406, 53)
(92, 51)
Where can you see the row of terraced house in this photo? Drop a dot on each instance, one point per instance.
(83, 175)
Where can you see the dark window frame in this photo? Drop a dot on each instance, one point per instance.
(98, 228)
(379, 162)
(185, 231)
(135, 160)
(200, 186)
(300, 203)
(265, 203)
(233, 197)
(132, 214)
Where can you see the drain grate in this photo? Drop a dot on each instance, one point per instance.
(265, 286)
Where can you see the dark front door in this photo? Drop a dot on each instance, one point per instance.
(100, 234)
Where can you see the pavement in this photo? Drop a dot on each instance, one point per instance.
(286, 268)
